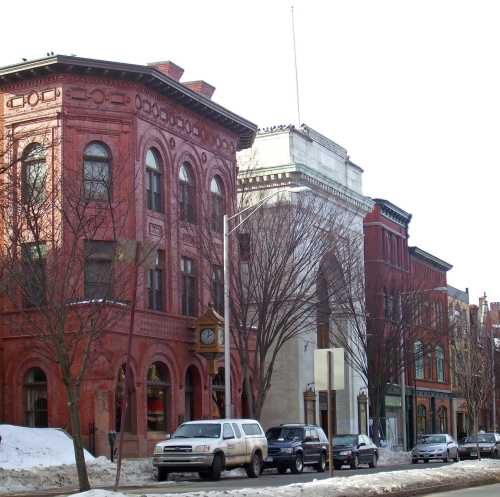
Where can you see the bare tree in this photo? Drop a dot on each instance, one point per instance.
(61, 267)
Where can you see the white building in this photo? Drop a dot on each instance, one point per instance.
(286, 155)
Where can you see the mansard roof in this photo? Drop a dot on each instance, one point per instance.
(146, 75)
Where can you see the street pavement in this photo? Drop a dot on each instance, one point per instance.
(266, 479)
(485, 491)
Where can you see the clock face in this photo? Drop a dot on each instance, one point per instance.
(207, 336)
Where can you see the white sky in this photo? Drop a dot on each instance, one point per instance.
(410, 88)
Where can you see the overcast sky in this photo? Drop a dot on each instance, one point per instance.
(410, 88)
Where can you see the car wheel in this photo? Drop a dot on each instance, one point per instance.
(447, 458)
(414, 461)
(321, 466)
(457, 458)
(373, 464)
(282, 470)
(355, 463)
(426, 461)
(162, 474)
(216, 469)
(253, 469)
(298, 464)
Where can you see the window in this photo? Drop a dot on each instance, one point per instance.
(154, 190)
(155, 283)
(428, 365)
(34, 274)
(97, 172)
(158, 397)
(421, 419)
(418, 350)
(218, 204)
(227, 431)
(130, 417)
(218, 289)
(440, 363)
(244, 246)
(443, 419)
(236, 430)
(187, 194)
(251, 429)
(34, 175)
(37, 414)
(188, 270)
(99, 258)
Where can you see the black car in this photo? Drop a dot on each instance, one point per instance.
(354, 450)
(488, 443)
(295, 446)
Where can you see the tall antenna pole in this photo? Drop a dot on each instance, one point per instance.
(296, 71)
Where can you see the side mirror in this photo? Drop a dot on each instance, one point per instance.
(168, 436)
(362, 444)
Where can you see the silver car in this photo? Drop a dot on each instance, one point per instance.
(432, 447)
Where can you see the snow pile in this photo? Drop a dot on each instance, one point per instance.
(388, 457)
(367, 485)
(23, 447)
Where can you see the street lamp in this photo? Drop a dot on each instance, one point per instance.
(227, 318)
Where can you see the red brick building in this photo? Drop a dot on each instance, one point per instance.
(396, 274)
(130, 121)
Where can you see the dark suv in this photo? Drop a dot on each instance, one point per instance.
(354, 450)
(295, 446)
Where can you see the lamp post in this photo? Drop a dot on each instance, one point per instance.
(250, 210)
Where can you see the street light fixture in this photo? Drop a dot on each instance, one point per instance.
(227, 318)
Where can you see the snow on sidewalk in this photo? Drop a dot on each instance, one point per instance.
(388, 457)
(352, 486)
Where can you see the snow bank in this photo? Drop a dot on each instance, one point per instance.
(388, 457)
(23, 447)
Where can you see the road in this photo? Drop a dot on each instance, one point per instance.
(267, 479)
(486, 491)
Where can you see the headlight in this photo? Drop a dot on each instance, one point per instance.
(345, 453)
(201, 448)
(158, 450)
(287, 450)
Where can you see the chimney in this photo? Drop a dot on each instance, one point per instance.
(201, 87)
(169, 68)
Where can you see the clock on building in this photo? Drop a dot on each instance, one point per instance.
(207, 336)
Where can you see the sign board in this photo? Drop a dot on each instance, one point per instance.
(321, 369)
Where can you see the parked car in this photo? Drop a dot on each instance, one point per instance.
(488, 443)
(435, 446)
(354, 450)
(211, 446)
(295, 446)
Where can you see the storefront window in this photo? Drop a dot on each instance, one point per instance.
(158, 397)
(421, 419)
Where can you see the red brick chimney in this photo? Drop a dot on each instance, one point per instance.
(201, 87)
(169, 68)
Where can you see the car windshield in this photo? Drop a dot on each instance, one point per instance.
(481, 438)
(198, 430)
(282, 434)
(432, 439)
(345, 440)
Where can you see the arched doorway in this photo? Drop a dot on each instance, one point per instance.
(36, 400)
(130, 417)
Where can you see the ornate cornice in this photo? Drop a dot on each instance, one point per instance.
(430, 259)
(393, 212)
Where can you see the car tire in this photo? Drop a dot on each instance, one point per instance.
(355, 463)
(321, 466)
(414, 461)
(282, 469)
(457, 458)
(217, 467)
(161, 474)
(253, 469)
(298, 464)
(426, 461)
(373, 463)
(447, 458)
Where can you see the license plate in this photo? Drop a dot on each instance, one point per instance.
(269, 459)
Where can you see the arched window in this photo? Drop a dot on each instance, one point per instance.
(130, 418)
(158, 397)
(187, 194)
(421, 419)
(218, 204)
(36, 398)
(440, 363)
(418, 351)
(443, 419)
(34, 175)
(154, 190)
(97, 172)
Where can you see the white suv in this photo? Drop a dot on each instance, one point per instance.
(210, 446)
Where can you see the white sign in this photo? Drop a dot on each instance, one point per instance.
(321, 369)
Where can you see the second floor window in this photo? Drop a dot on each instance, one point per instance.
(440, 364)
(34, 274)
(187, 194)
(418, 350)
(34, 175)
(156, 296)
(99, 259)
(97, 172)
(218, 289)
(188, 271)
(218, 207)
(153, 181)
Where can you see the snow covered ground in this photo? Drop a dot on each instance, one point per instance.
(387, 457)
(374, 484)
